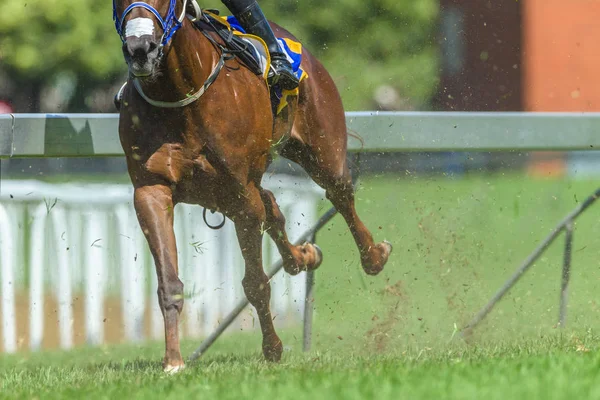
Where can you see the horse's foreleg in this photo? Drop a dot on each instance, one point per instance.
(305, 257)
(154, 209)
(248, 224)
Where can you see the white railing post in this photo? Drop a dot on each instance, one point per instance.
(184, 232)
(74, 246)
(211, 279)
(95, 245)
(18, 214)
(64, 292)
(200, 262)
(138, 278)
(132, 302)
(37, 257)
(7, 252)
(74, 215)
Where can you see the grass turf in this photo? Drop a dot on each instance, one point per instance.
(455, 241)
(547, 368)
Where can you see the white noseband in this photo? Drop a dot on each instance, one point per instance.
(139, 27)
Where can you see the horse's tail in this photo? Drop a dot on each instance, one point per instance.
(356, 161)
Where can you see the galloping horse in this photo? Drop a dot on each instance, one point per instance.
(197, 127)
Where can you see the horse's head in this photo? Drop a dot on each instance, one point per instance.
(145, 28)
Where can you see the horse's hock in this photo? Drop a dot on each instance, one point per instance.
(82, 273)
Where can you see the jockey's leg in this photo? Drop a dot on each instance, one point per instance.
(252, 19)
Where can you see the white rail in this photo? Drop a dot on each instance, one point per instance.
(83, 241)
(95, 135)
(59, 241)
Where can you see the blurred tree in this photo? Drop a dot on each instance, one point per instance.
(367, 44)
(44, 41)
(364, 45)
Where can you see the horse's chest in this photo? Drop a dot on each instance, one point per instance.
(173, 162)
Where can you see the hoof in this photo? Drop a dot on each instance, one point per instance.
(304, 259)
(173, 369)
(318, 257)
(272, 352)
(389, 246)
(377, 258)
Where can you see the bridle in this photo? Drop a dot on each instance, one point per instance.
(170, 24)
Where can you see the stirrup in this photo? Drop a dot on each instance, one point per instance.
(251, 18)
(282, 73)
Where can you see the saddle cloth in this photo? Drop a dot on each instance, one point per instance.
(258, 50)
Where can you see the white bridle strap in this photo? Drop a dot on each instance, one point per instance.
(182, 16)
(197, 9)
(182, 103)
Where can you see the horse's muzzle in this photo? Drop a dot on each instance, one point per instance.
(141, 54)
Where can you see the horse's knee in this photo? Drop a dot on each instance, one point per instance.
(170, 295)
(250, 214)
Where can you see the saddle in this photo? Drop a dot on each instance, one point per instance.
(232, 43)
(252, 51)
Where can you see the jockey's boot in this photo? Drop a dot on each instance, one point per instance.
(250, 16)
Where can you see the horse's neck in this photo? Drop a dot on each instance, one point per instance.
(188, 64)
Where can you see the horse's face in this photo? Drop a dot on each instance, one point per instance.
(143, 26)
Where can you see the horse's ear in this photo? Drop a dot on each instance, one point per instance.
(193, 9)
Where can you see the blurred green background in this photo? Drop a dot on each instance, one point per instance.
(65, 56)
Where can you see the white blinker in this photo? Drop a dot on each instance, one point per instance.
(139, 27)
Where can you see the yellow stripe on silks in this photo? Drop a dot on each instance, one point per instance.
(219, 18)
(303, 76)
(284, 95)
(283, 103)
(296, 47)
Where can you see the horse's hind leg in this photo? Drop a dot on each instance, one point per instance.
(249, 218)
(305, 257)
(339, 190)
(341, 193)
(318, 144)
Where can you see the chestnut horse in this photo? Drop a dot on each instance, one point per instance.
(196, 133)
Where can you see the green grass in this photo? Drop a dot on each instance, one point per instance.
(544, 368)
(393, 336)
(455, 243)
